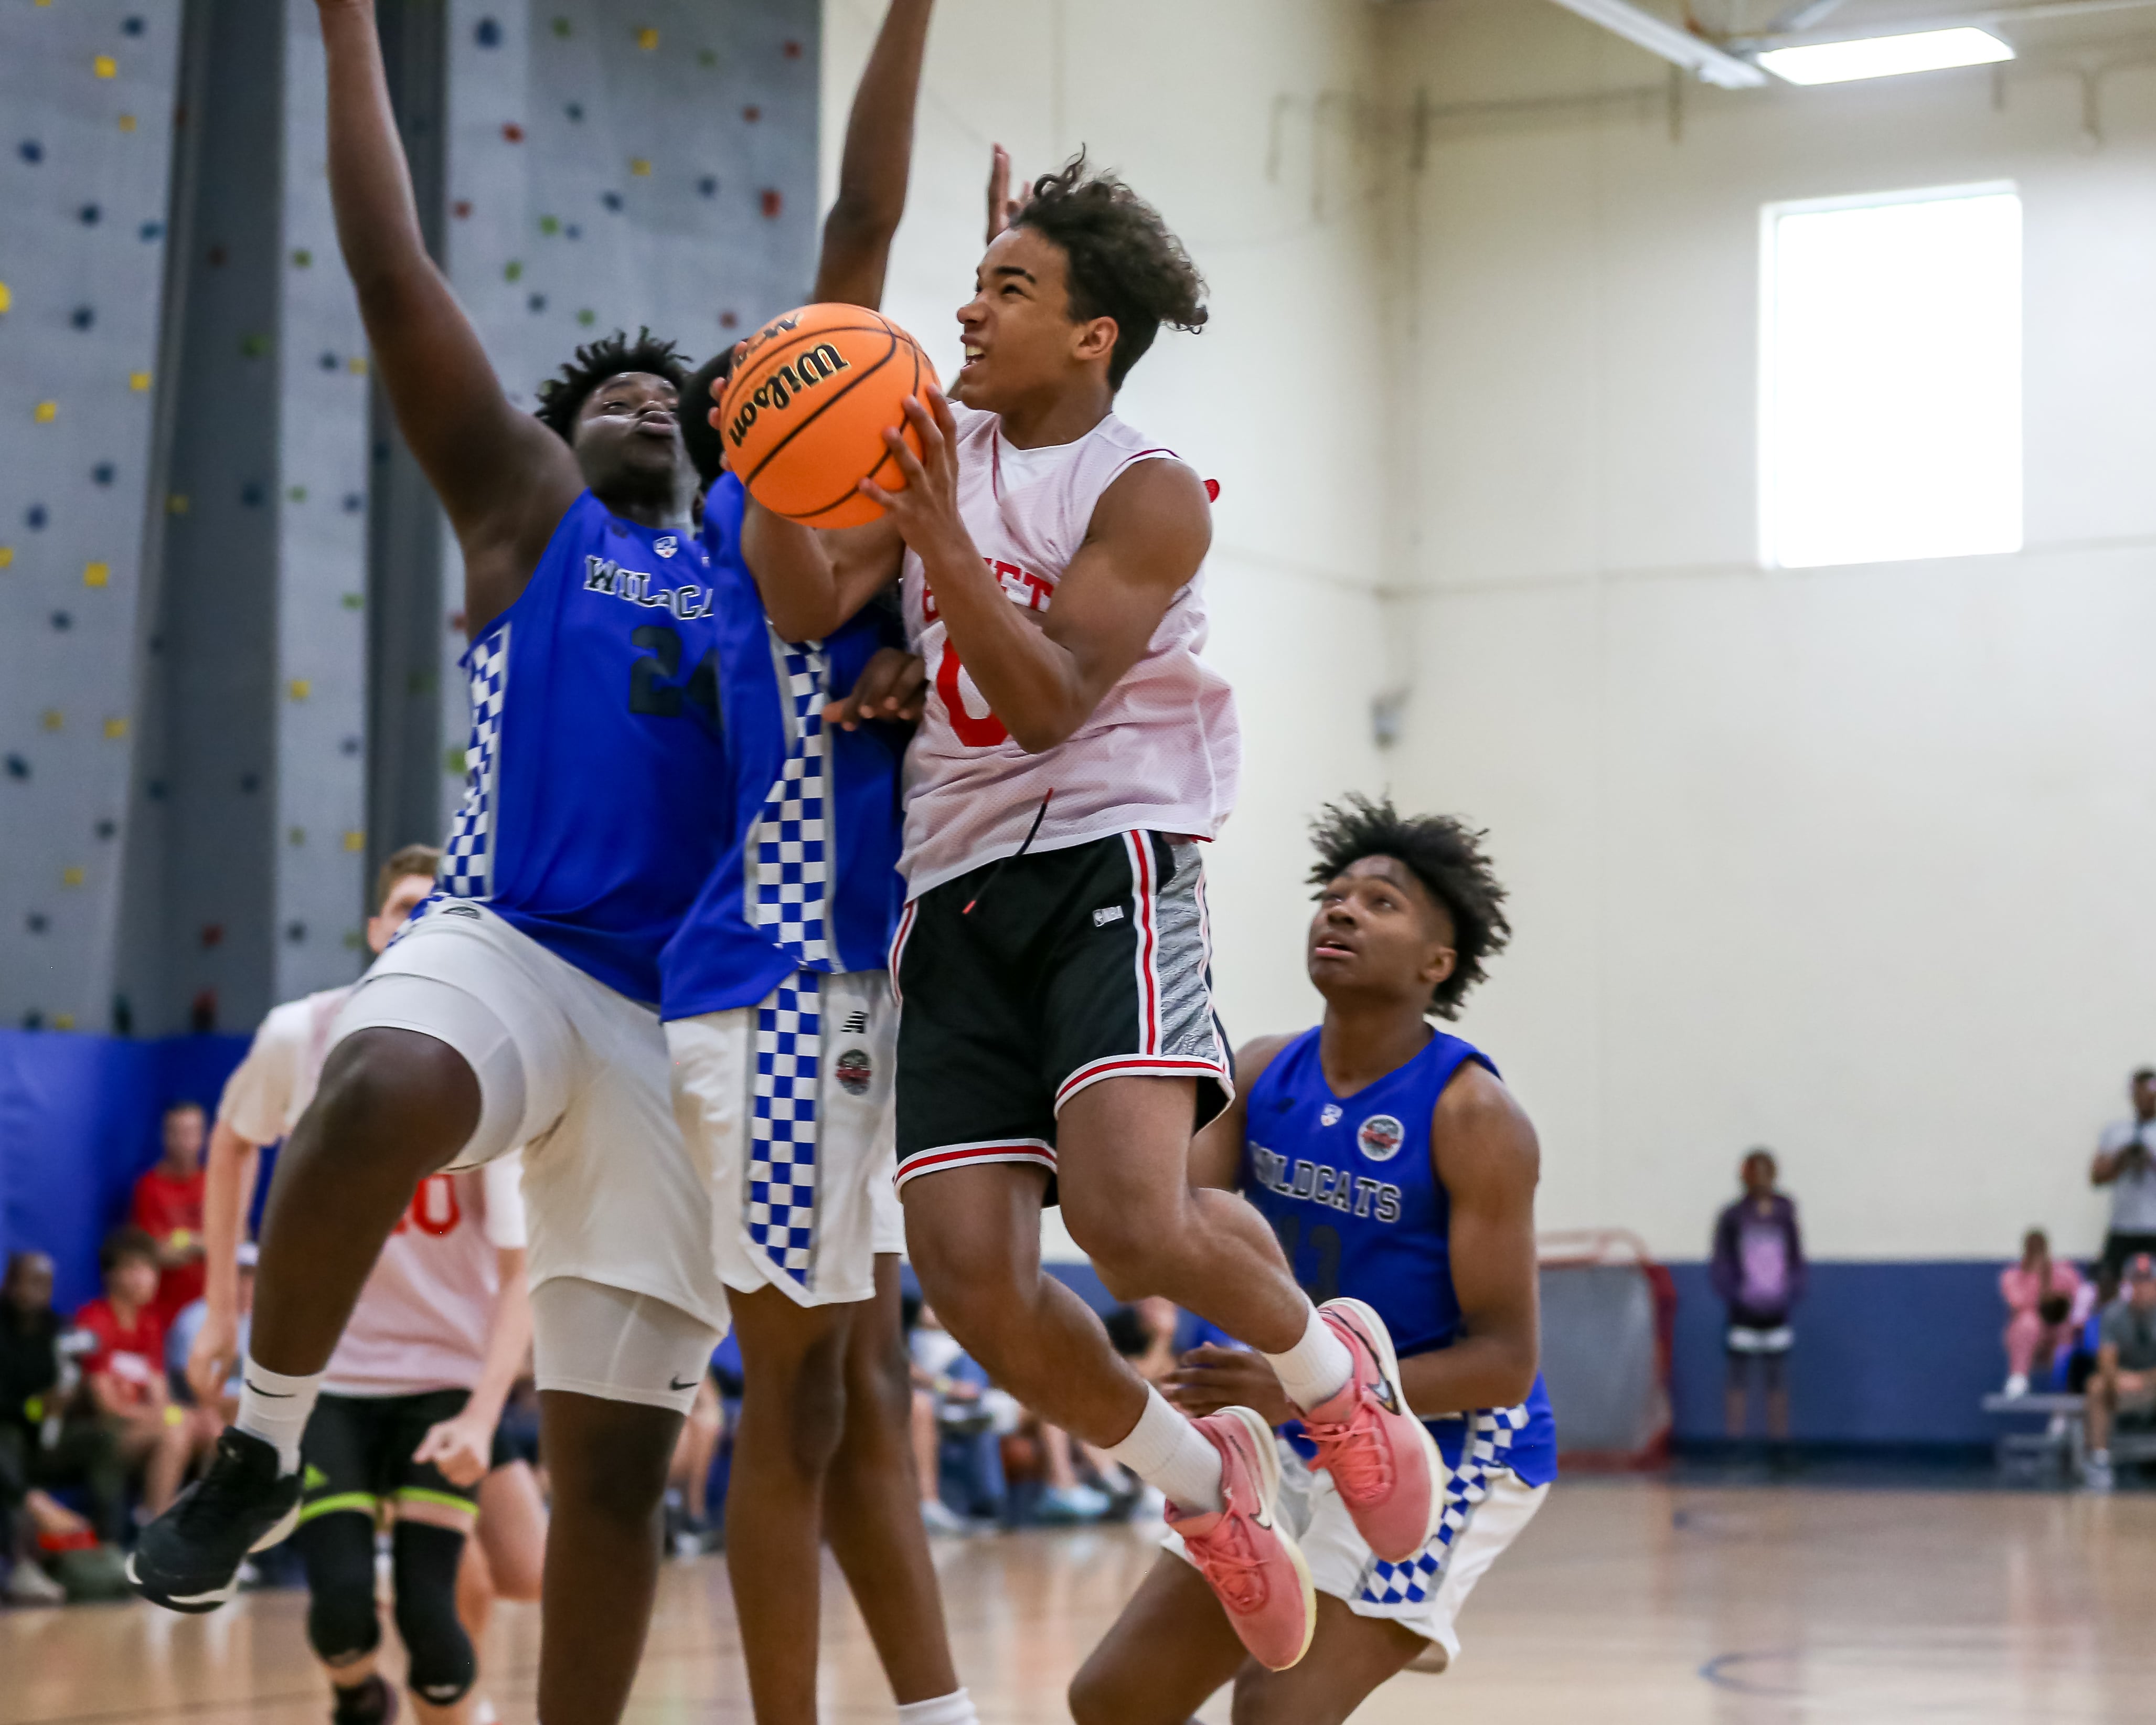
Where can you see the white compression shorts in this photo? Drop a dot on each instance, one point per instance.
(578, 1074)
(620, 1347)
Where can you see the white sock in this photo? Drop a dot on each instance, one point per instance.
(955, 1709)
(1165, 1449)
(1316, 1368)
(274, 1408)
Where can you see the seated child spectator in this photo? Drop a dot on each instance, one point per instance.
(2124, 1386)
(2041, 1294)
(42, 1444)
(187, 1325)
(168, 1208)
(124, 1375)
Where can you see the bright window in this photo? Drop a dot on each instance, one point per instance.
(1889, 422)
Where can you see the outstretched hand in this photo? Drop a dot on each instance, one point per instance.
(1002, 208)
(927, 511)
(460, 1448)
(892, 686)
(1209, 1378)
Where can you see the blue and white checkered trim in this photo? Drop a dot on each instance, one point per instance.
(467, 869)
(1489, 1440)
(789, 857)
(789, 883)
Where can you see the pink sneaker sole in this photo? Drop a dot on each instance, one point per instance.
(1259, 1474)
(1371, 1330)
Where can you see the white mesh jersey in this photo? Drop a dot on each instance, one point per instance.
(1163, 751)
(424, 1315)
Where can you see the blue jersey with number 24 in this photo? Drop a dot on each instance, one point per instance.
(590, 817)
(1348, 1185)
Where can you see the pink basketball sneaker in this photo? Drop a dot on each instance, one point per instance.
(1249, 1560)
(1382, 1460)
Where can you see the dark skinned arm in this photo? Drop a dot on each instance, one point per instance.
(1043, 676)
(873, 166)
(504, 478)
(813, 581)
(1216, 1154)
(1486, 1153)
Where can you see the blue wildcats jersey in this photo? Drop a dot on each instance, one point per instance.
(817, 863)
(1348, 1186)
(587, 820)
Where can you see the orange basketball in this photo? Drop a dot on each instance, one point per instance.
(805, 411)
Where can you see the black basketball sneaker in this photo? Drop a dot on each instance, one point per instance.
(189, 1558)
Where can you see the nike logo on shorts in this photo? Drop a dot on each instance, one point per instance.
(691, 1383)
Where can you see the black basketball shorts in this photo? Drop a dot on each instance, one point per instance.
(356, 1454)
(1071, 967)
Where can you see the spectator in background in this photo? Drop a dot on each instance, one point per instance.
(124, 1375)
(2124, 1385)
(2125, 1163)
(2046, 1300)
(39, 1444)
(1758, 1270)
(187, 1324)
(168, 1208)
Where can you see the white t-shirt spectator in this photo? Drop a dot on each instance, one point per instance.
(2134, 1192)
(422, 1319)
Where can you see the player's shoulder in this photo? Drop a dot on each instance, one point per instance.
(289, 1023)
(1255, 1057)
(1476, 1105)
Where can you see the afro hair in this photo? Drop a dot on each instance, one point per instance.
(1123, 263)
(1447, 856)
(561, 398)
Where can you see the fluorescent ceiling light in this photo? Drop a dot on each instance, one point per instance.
(1677, 46)
(1884, 56)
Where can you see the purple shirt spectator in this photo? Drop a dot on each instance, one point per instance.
(1758, 1266)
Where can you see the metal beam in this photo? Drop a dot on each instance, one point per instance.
(1784, 35)
(1678, 47)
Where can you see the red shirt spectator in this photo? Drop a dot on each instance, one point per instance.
(130, 1350)
(168, 1208)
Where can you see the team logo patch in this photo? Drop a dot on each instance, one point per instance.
(1379, 1137)
(855, 1071)
(1107, 914)
(666, 545)
(1329, 1115)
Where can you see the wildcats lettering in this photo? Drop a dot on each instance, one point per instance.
(797, 376)
(1337, 1189)
(688, 602)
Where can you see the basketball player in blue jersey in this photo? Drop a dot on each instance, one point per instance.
(521, 1005)
(1399, 1172)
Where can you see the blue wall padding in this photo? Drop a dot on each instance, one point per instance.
(1885, 1353)
(79, 1122)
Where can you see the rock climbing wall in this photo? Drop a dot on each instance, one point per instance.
(195, 505)
(86, 104)
(323, 433)
(611, 166)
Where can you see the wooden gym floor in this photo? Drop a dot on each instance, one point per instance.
(1626, 1601)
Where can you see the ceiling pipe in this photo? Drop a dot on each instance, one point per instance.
(1790, 32)
(1680, 46)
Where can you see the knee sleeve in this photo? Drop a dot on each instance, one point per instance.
(338, 1550)
(593, 1340)
(443, 1665)
(401, 1001)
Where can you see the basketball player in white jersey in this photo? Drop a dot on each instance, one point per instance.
(1057, 1041)
(415, 1389)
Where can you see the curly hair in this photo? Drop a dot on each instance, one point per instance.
(1442, 852)
(1123, 263)
(561, 398)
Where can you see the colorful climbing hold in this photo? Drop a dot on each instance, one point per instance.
(18, 767)
(36, 922)
(512, 132)
(640, 166)
(792, 50)
(90, 215)
(351, 746)
(708, 185)
(83, 316)
(357, 365)
(300, 688)
(550, 225)
(7, 555)
(562, 27)
(461, 209)
(296, 494)
(353, 503)
(513, 270)
(328, 361)
(727, 320)
(138, 382)
(151, 230)
(72, 875)
(355, 841)
(64, 1021)
(6, 296)
(587, 317)
(752, 114)
(536, 302)
(35, 516)
(131, 27)
(612, 200)
(105, 66)
(31, 150)
(253, 347)
(296, 835)
(62, 622)
(104, 473)
(487, 34)
(45, 412)
(647, 38)
(707, 57)
(105, 828)
(772, 201)
(575, 111)
(127, 122)
(52, 718)
(96, 574)
(176, 504)
(302, 257)
(114, 729)
(295, 933)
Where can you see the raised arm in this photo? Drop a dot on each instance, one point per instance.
(812, 582)
(1216, 1154)
(874, 165)
(504, 478)
(1149, 534)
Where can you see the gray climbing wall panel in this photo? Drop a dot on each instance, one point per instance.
(199, 497)
(615, 165)
(86, 101)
